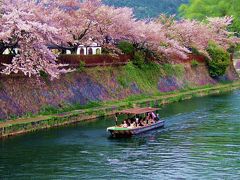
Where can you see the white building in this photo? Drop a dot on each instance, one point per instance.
(8, 51)
(93, 49)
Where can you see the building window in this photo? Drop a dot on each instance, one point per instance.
(68, 52)
(90, 51)
(81, 51)
(98, 51)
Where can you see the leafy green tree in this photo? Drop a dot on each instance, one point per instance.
(200, 9)
(126, 47)
(219, 61)
(149, 8)
(139, 59)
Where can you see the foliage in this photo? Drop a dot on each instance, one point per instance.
(139, 59)
(196, 35)
(47, 110)
(194, 63)
(219, 61)
(81, 66)
(195, 51)
(146, 8)
(20, 26)
(173, 70)
(145, 77)
(212, 8)
(126, 47)
(43, 74)
(237, 55)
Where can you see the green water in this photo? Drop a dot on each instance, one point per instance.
(201, 140)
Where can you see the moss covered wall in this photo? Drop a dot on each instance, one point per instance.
(19, 94)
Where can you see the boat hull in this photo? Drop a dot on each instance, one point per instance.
(127, 132)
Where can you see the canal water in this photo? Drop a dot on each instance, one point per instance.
(201, 140)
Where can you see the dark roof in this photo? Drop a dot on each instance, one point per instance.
(138, 110)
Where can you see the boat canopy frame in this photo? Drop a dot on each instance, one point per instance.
(136, 111)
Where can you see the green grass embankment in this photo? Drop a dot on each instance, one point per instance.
(51, 117)
(145, 78)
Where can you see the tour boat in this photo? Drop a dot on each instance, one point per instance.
(118, 131)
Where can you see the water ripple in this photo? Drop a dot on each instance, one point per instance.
(201, 140)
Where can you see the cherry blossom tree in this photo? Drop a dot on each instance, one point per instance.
(197, 34)
(20, 27)
(220, 33)
(76, 19)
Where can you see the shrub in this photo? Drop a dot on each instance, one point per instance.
(126, 47)
(220, 60)
(237, 55)
(81, 66)
(139, 59)
(43, 74)
(46, 110)
(195, 51)
(194, 63)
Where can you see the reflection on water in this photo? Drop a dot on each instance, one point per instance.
(201, 140)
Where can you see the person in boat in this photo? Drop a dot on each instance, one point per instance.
(140, 122)
(129, 122)
(137, 121)
(151, 119)
(148, 118)
(144, 121)
(125, 124)
(153, 115)
(133, 125)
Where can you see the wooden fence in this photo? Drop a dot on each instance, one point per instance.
(191, 57)
(74, 60)
(94, 60)
(99, 60)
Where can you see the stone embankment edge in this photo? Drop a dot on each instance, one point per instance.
(21, 126)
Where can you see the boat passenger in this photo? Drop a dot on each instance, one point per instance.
(129, 122)
(145, 121)
(124, 125)
(137, 121)
(133, 125)
(151, 119)
(141, 123)
(153, 115)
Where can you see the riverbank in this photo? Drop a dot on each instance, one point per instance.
(20, 95)
(43, 121)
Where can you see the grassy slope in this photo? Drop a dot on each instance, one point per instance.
(145, 78)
